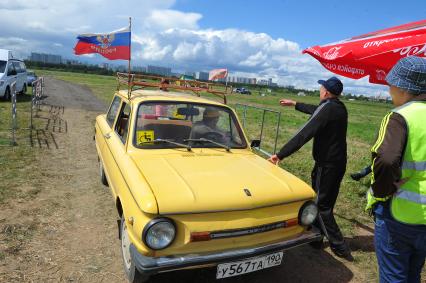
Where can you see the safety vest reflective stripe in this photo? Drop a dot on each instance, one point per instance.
(412, 165)
(411, 196)
(409, 202)
(372, 200)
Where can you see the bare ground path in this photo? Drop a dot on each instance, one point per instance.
(66, 230)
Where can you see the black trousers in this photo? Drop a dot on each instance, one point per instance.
(326, 179)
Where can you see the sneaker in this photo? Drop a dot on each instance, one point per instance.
(342, 251)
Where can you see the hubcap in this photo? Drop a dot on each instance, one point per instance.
(125, 247)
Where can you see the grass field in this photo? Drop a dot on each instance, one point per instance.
(16, 162)
(364, 119)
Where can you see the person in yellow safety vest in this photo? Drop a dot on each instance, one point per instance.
(397, 197)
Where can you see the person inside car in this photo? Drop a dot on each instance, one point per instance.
(207, 127)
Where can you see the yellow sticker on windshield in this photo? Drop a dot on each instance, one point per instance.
(144, 137)
(177, 115)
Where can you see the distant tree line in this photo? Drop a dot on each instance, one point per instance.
(68, 67)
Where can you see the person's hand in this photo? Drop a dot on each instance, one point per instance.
(287, 102)
(401, 182)
(274, 159)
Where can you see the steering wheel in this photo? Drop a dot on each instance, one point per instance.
(214, 136)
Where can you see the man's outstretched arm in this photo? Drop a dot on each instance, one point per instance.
(305, 108)
(302, 107)
(317, 121)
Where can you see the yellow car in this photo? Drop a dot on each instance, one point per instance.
(190, 190)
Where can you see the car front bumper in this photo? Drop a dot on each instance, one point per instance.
(163, 264)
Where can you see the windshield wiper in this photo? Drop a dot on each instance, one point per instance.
(227, 147)
(170, 142)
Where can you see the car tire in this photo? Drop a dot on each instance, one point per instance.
(6, 95)
(104, 180)
(132, 273)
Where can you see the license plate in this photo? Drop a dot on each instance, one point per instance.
(249, 265)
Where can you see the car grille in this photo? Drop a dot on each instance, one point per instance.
(206, 236)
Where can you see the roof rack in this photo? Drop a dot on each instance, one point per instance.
(135, 81)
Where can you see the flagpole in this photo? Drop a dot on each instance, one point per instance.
(130, 54)
(226, 82)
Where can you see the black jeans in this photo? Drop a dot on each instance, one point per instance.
(326, 179)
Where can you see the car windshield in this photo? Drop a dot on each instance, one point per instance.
(168, 124)
(2, 66)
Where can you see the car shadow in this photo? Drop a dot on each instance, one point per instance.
(303, 264)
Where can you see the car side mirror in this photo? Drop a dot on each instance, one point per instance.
(13, 73)
(255, 143)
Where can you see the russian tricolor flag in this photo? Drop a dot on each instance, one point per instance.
(114, 45)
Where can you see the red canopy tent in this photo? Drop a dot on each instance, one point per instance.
(372, 54)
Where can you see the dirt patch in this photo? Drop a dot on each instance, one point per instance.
(64, 229)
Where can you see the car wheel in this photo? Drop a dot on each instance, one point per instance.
(7, 94)
(104, 180)
(132, 273)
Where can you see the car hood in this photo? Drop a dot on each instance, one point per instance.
(200, 182)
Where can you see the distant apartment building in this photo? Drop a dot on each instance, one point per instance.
(190, 74)
(139, 69)
(267, 82)
(241, 80)
(45, 58)
(162, 71)
(202, 76)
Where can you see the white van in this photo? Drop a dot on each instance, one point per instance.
(11, 70)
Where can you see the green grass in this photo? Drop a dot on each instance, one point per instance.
(17, 162)
(364, 120)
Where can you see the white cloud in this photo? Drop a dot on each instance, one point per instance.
(254, 60)
(166, 19)
(21, 4)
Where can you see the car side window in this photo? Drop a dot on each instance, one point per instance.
(112, 113)
(23, 67)
(122, 125)
(11, 69)
(17, 67)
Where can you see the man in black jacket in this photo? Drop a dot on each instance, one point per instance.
(327, 126)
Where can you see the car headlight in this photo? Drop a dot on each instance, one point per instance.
(159, 233)
(308, 213)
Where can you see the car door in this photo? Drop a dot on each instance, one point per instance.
(115, 143)
(19, 76)
(103, 128)
(11, 74)
(23, 74)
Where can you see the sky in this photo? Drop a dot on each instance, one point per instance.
(262, 39)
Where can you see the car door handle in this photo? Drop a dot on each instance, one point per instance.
(107, 136)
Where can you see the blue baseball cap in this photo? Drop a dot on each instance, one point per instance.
(409, 74)
(333, 85)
